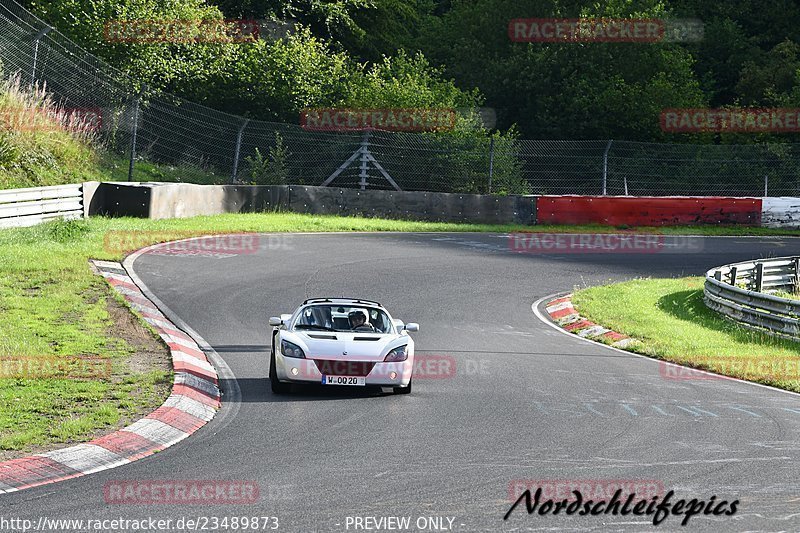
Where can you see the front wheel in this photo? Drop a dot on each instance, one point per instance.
(277, 386)
(403, 390)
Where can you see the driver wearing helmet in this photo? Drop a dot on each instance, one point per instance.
(358, 321)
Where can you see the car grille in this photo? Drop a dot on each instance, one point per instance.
(344, 368)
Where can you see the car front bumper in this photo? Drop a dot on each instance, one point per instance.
(292, 370)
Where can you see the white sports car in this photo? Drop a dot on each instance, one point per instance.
(341, 341)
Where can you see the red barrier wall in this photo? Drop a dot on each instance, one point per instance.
(647, 210)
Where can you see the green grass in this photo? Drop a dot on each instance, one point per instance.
(671, 322)
(41, 144)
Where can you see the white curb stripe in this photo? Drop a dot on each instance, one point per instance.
(185, 343)
(159, 432)
(195, 382)
(191, 406)
(86, 458)
(559, 307)
(592, 331)
(194, 361)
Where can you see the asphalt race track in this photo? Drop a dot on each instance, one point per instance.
(524, 401)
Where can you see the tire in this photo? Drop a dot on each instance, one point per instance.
(277, 386)
(403, 390)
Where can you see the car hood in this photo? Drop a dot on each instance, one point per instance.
(347, 346)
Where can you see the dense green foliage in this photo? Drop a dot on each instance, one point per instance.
(458, 53)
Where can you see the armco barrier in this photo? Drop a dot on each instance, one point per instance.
(27, 207)
(648, 210)
(740, 291)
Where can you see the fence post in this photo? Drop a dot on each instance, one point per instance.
(605, 169)
(759, 276)
(364, 159)
(766, 182)
(235, 170)
(36, 38)
(491, 162)
(135, 130)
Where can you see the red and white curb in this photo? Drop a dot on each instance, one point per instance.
(194, 401)
(564, 314)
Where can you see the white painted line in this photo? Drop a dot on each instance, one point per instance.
(540, 316)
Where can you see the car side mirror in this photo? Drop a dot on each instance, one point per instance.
(412, 326)
(275, 321)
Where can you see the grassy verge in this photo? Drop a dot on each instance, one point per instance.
(672, 323)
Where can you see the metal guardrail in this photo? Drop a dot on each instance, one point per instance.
(742, 292)
(28, 207)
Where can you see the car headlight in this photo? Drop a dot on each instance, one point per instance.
(292, 350)
(398, 354)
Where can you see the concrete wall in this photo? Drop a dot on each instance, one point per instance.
(781, 212)
(176, 200)
(648, 210)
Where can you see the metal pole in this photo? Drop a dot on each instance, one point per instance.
(44, 31)
(491, 163)
(364, 160)
(766, 182)
(236, 152)
(605, 169)
(133, 136)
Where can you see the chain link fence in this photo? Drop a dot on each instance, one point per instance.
(209, 146)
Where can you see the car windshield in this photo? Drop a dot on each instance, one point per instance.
(361, 318)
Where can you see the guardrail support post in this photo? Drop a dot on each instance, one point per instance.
(796, 282)
(733, 275)
(236, 152)
(605, 169)
(718, 275)
(491, 163)
(133, 134)
(44, 31)
(759, 276)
